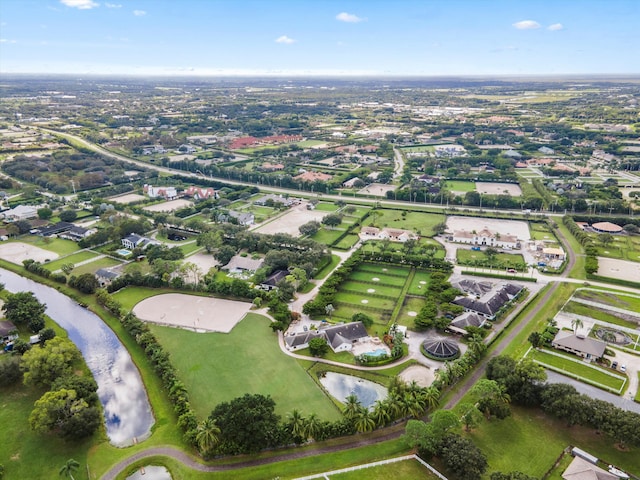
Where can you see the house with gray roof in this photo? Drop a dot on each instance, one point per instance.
(240, 264)
(301, 340)
(585, 347)
(490, 303)
(467, 319)
(340, 338)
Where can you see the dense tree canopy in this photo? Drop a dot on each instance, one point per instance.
(23, 308)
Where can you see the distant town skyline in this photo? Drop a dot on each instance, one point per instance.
(305, 37)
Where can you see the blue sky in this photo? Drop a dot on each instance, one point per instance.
(312, 37)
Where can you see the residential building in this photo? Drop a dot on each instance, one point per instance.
(137, 241)
(489, 304)
(286, 201)
(271, 282)
(313, 177)
(485, 237)
(169, 193)
(392, 234)
(200, 193)
(340, 338)
(6, 331)
(106, 276)
(243, 218)
(239, 264)
(580, 469)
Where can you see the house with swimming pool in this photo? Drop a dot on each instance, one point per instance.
(341, 338)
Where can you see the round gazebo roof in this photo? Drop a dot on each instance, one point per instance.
(441, 348)
(607, 227)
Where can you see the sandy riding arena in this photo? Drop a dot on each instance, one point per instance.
(128, 198)
(290, 221)
(16, 252)
(169, 206)
(499, 188)
(202, 314)
(423, 376)
(622, 269)
(503, 227)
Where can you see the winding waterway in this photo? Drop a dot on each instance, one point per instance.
(127, 411)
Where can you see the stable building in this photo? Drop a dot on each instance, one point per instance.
(580, 345)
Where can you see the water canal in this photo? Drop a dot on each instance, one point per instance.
(127, 411)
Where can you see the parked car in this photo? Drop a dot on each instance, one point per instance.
(623, 368)
(614, 365)
(512, 270)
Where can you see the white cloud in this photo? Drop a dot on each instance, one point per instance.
(349, 18)
(527, 25)
(113, 5)
(139, 13)
(555, 27)
(286, 40)
(80, 4)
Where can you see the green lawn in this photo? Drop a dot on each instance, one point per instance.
(541, 231)
(419, 222)
(579, 368)
(74, 258)
(386, 290)
(326, 207)
(598, 314)
(359, 299)
(384, 269)
(613, 299)
(382, 279)
(327, 236)
(406, 470)
(520, 435)
(57, 245)
(411, 304)
(335, 259)
(500, 260)
(188, 248)
(347, 242)
(130, 296)
(217, 367)
(417, 287)
(92, 267)
(460, 186)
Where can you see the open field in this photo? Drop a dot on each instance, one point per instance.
(613, 299)
(540, 231)
(128, 198)
(93, 267)
(491, 188)
(410, 308)
(598, 314)
(504, 227)
(520, 435)
(365, 299)
(576, 367)
(327, 207)
(57, 245)
(417, 222)
(500, 260)
(347, 242)
(170, 206)
(622, 247)
(328, 236)
(201, 313)
(419, 283)
(460, 186)
(376, 278)
(418, 149)
(405, 470)
(218, 367)
(17, 252)
(74, 258)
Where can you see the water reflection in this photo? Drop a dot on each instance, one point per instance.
(126, 407)
(151, 473)
(341, 386)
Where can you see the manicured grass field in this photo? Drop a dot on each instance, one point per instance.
(347, 242)
(408, 469)
(418, 149)
(625, 248)
(520, 435)
(327, 236)
(57, 245)
(327, 207)
(386, 290)
(356, 299)
(500, 260)
(578, 368)
(419, 222)
(218, 367)
(92, 267)
(460, 186)
(382, 279)
(344, 311)
(75, 258)
(383, 269)
(188, 248)
(613, 299)
(130, 296)
(411, 304)
(335, 259)
(593, 312)
(416, 287)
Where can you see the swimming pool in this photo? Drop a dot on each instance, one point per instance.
(378, 352)
(124, 252)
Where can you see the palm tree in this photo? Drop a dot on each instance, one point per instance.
(381, 413)
(476, 345)
(413, 405)
(297, 424)
(576, 323)
(68, 468)
(329, 309)
(364, 421)
(207, 435)
(312, 427)
(351, 407)
(432, 397)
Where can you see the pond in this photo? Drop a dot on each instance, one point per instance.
(341, 386)
(127, 411)
(151, 472)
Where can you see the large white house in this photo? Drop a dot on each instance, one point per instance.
(340, 338)
(392, 234)
(485, 237)
(165, 192)
(21, 212)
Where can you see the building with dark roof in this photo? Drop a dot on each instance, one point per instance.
(441, 348)
(301, 340)
(6, 329)
(467, 319)
(55, 229)
(339, 337)
(490, 303)
(272, 280)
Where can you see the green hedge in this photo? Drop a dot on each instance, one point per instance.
(498, 275)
